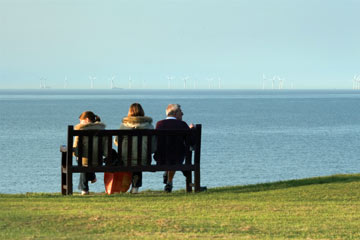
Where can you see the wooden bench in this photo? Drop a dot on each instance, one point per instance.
(191, 164)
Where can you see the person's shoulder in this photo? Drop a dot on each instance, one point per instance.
(90, 126)
(184, 124)
(159, 123)
(171, 124)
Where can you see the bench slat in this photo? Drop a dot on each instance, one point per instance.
(100, 151)
(139, 150)
(119, 148)
(80, 150)
(129, 150)
(90, 150)
(149, 148)
(109, 147)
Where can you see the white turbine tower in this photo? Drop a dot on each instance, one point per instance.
(65, 82)
(263, 82)
(219, 81)
(43, 83)
(273, 82)
(169, 78)
(356, 82)
(281, 81)
(112, 82)
(92, 78)
(130, 82)
(143, 84)
(185, 79)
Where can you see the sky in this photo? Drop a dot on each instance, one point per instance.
(308, 44)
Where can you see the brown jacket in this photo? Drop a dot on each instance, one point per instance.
(85, 143)
(129, 123)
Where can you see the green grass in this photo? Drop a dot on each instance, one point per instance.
(316, 208)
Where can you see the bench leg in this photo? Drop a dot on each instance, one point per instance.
(63, 182)
(69, 183)
(197, 180)
(63, 174)
(188, 181)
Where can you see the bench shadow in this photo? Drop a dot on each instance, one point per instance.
(341, 178)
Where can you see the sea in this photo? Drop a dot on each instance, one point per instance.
(249, 136)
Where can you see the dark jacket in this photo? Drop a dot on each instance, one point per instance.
(170, 149)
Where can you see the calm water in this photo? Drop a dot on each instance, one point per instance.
(248, 136)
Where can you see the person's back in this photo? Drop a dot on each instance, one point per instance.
(135, 119)
(88, 121)
(85, 142)
(171, 149)
(131, 123)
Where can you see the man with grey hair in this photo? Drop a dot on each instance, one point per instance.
(174, 148)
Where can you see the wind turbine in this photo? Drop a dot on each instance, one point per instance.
(219, 81)
(273, 82)
(210, 81)
(263, 82)
(130, 82)
(43, 83)
(281, 81)
(143, 84)
(356, 82)
(112, 83)
(169, 78)
(65, 82)
(185, 79)
(92, 81)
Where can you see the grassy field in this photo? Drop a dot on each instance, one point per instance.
(316, 208)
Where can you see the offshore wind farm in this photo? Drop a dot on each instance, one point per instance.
(268, 82)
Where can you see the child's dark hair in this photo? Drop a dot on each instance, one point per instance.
(90, 115)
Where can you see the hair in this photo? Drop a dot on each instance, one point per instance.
(136, 110)
(172, 109)
(90, 115)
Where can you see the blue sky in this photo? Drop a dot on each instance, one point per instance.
(310, 44)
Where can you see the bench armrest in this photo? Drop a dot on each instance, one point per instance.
(63, 148)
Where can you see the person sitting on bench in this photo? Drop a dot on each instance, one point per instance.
(88, 121)
(174, 149)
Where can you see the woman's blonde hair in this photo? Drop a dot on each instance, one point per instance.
(136, 110)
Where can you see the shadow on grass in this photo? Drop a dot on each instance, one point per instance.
(289, 184)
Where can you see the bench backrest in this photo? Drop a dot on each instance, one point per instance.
(134, 148)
